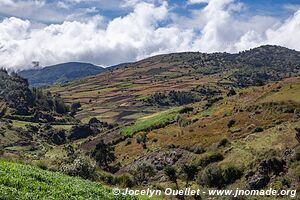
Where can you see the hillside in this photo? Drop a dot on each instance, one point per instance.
(118, 95)
(201, 110)
(59, 73)
(33, 183)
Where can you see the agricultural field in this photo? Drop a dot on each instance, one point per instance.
(154, 121)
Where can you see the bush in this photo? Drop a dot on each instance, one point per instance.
(82, 167)
(55, 136)
(258, 129)
(186, 110)
(80, 131)
(42, 165)
(143, 173)
(173, 98)
(231, 174)
(212, 177)
(223, 142)
(210, 158)
(231, 123)
(125, 180)
(75, 106)
(104, 154)
(231, 92)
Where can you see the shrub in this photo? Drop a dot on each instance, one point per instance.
(211, 158)
(258, 129)
(212, 177)
(82, 167)
(143, 173)
(125, 180)
(190, 172)
(104, 154)
(231, 123)
(223, 142)
(197, 149)
(173, 98)
(75, 106)
(171, 174)
(186, 110)
(231, 174)
(42, 165)
(80, 131)
(231, 92)
(55, 136)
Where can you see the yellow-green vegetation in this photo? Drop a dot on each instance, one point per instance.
(20, 181)
(288, 91)
(156, 120)
(22, 124)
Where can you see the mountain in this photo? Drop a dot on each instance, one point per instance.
(118, 93)
(59, 73)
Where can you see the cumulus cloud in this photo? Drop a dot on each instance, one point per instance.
(151, 28)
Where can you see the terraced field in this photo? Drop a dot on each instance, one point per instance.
(116, 96)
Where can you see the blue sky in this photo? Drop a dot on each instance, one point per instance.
(115, 8)
(108, 32)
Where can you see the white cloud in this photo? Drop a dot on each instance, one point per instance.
(286, 34)
(197, 1)
(140, 34)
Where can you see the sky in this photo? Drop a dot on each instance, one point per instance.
(109, 32)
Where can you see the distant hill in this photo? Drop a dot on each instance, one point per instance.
(129, 84)
(59, 73)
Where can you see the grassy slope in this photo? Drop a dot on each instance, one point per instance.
(19, 181)
(153, 121)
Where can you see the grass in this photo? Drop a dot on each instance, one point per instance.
(22, 124)
(156, 120)
(287, 92)
(20, 181)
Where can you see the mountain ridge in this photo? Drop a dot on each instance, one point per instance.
(60, 73)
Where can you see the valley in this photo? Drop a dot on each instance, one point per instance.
(214, 120)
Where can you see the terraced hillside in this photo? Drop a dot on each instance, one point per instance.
(119, 95)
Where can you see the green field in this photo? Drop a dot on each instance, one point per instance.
(19, 181)
(149, 122)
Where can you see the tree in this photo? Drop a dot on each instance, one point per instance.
(143, 173)
(74, 107)
(212, 177)
(171, 173)
(190, 171)
(60, 106)
(104, 154)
